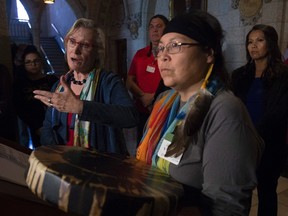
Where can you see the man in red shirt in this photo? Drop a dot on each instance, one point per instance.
(144, 76)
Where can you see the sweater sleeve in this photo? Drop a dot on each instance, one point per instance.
(49, 133)
(114, 106)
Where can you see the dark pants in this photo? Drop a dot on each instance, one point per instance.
(268, 174)
(267, 196)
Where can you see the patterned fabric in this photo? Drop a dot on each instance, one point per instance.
(81, 129)
(155, 127)
(162, 121)
(173, 122)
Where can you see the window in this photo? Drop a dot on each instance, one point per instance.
(22, 14)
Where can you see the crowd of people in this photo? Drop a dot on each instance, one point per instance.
(219, 134)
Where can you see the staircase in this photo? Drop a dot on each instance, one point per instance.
(19, 32)
(54, 55)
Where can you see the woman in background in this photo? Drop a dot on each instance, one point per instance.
(262, 84)
(32, 77)
(144, 76)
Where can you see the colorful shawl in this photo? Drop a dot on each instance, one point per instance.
(155, 127)
(162, 121)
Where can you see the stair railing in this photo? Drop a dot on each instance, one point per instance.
(48, 63)
(59, 39)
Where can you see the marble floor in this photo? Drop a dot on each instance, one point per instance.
(282, 191)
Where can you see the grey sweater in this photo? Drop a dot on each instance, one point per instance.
(221, 164)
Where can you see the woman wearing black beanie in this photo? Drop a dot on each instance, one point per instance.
(199, 132)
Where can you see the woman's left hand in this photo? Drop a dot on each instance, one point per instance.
(65, 101)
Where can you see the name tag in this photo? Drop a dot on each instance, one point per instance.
(150, 69)
(163, 149)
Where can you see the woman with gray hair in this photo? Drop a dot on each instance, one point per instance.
(89, 106)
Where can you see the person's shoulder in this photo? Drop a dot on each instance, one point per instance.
(108, 76)
(281, 73)
(21, 80)
(238, 70)
(227, 103)
(164, 93)
(282, 80)
(238, 74)
(142, 51)
(226, 97)
(107, 73)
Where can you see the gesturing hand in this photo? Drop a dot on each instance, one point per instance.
(65, 101)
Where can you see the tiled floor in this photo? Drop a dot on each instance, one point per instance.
(282, 199)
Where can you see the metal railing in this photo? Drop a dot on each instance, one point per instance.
(59, 39)
(20, 33)
(47, 62)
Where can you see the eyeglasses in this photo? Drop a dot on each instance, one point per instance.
(84, 46)
(173, 47)
(32, 62)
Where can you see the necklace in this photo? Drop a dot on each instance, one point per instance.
(77, 82)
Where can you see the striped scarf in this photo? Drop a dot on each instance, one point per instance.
(155, 127)
(162, 121)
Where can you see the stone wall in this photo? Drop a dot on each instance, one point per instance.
(124, 16)
(272, 13)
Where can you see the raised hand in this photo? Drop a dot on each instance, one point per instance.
(65, 101)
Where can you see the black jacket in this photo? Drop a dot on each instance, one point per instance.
(273, 123)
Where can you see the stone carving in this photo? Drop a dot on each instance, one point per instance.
(250, 10)
(133, 24)
(235, 4)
